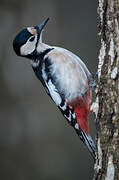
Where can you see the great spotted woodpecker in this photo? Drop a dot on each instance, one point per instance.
(65, 77)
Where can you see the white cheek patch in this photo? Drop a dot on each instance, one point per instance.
(28, 47)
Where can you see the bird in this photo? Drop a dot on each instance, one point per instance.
(64, 76)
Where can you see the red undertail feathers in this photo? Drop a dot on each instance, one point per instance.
(82, 110)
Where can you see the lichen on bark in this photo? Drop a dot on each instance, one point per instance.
(107, 118)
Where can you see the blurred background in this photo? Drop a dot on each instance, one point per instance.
(36, 143)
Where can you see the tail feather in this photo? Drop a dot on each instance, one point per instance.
(77, 112)
(88, 141)
(82, 111)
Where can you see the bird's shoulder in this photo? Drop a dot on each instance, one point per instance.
(63, 57)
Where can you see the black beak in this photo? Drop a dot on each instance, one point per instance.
(40, 27)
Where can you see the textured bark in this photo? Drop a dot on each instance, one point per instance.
(106, 106)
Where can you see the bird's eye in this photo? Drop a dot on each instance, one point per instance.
(32, 38)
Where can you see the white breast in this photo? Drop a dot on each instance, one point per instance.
(70, 72)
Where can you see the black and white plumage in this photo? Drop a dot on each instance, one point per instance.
(65, 77)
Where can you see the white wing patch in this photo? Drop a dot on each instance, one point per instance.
(69, 117)
(63, 107)
(76, 126)
(53, 92)
(44, 75)
(74, 116)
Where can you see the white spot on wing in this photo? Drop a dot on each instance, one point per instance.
(35, 63)
(44, 75)
(63, 107)
(76, 126)
(74, 116)
(69, 118)
(53, 92)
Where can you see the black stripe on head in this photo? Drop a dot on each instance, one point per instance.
(20, 39)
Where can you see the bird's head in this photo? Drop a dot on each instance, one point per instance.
(26, 41)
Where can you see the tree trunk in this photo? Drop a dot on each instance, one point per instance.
(106, 106)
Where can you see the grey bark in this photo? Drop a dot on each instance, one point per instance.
(106, 106)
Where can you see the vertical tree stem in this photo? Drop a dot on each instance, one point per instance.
(106, 106)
